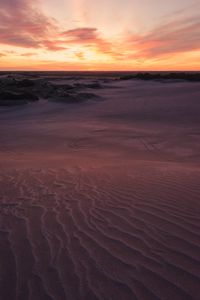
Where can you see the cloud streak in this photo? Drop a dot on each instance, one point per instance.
(171, 38)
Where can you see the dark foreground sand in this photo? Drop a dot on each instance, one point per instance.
(101, 200)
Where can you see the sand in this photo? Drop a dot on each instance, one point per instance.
(101, 199)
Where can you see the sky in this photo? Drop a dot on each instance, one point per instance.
(100, 35)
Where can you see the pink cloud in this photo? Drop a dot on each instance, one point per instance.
(23, 24)
(81, 35)
(54, 45)
(171, 38)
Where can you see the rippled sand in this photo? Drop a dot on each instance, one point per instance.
(102, 200)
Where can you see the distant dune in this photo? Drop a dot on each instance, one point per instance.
(100, 199)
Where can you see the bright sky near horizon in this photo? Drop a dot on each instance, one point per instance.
(99, 35)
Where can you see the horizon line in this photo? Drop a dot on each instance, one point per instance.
(105, 71)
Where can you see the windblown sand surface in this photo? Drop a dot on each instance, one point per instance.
(101, 200)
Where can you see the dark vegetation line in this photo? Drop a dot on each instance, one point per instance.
(188, 76)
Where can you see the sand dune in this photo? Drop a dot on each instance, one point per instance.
(98, 205)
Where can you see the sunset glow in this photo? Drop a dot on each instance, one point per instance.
(99, 35)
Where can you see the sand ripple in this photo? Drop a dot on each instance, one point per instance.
(100, 234)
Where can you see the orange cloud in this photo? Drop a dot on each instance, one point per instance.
(28, 54)
(90, 38)
(80, 55)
